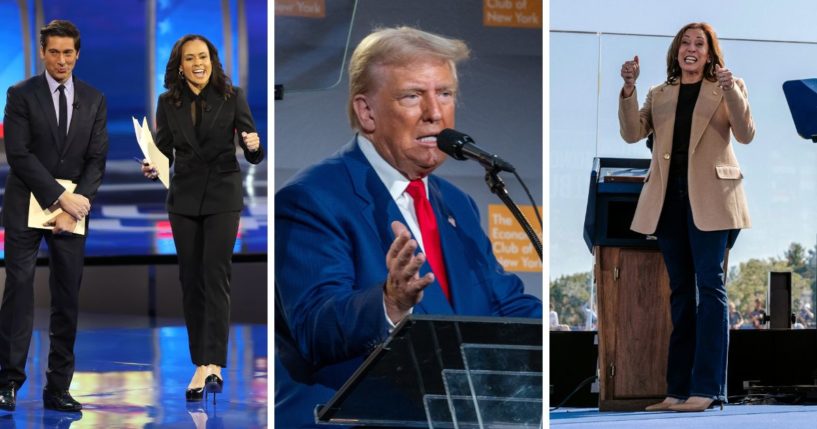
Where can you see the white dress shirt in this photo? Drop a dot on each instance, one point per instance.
(396, 183)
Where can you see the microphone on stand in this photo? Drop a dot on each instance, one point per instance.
(461, 146)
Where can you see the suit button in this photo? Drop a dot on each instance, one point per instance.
(666, 156)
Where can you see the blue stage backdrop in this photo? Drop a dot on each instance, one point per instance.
(128, 217)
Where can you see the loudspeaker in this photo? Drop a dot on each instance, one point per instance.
(779, 300)
(573, 359)
(769, 357)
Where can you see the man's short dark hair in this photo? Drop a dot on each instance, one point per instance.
(59, 28)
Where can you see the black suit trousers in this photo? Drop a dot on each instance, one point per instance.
(204, 245)
(67, 253)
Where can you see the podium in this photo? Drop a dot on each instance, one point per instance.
(447, 372)
(632, 286)
(801, 95)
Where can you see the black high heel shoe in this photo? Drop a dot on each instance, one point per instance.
(194, 394)
(213, 384)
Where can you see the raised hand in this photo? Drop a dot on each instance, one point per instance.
(725, 79)
(404, 286)
(251, 140)
(629, 72)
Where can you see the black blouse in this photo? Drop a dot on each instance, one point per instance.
(197, 106)
(681, 133)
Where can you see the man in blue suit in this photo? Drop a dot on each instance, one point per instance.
(352, 239)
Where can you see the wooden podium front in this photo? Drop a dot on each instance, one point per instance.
(634, 327)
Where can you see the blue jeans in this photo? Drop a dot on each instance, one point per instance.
(700, 323)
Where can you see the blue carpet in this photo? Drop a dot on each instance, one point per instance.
(732, 417)
(133, 375)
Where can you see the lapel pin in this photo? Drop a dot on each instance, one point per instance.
(452, 221)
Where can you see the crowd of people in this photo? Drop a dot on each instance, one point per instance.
(750, 319)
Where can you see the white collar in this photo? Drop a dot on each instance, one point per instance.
(395, 182)
(53, 84)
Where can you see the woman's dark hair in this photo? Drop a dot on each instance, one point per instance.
(59, 28)
(219, 81)
(715, 54)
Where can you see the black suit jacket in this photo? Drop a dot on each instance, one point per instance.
(34, 157)
(206, 178)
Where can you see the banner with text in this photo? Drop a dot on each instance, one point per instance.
(512, 13)
(512, 247)
(303, 8)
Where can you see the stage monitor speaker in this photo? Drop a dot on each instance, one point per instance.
(770, 357)
(778, 301)
(573, 359)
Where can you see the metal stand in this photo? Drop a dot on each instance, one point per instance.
(497, 186)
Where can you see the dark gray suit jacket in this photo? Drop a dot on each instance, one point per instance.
(34, 156)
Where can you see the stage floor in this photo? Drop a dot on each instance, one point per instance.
(128, 219)
(130, 374)
(731, 417)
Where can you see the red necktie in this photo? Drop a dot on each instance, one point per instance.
(430, 233)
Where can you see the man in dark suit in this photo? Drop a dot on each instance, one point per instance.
(348, 229)
(55, 129)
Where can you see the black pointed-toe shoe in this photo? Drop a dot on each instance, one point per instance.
(60, 400)
(194, 394)
(8, 397)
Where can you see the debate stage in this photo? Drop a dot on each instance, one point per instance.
(132, 359)
(131, 372)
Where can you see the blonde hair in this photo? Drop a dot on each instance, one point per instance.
(397, 46)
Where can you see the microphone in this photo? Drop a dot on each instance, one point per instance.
(75, 105)
(461, 146)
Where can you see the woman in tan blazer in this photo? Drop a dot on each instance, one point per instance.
(692, 201)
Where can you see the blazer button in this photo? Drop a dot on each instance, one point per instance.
(666, 156)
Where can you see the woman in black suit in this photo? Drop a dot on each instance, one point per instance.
(198, 120)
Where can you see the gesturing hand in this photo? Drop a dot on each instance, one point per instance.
(725, 79)
(404, 286)
(251, 140)
(629, 72)
(75, 204)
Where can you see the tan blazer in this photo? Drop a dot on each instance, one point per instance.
(714, 177)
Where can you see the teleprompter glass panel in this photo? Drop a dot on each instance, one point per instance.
(410, 364)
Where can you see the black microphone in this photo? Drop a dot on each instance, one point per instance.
(461, 146)
(75, 105)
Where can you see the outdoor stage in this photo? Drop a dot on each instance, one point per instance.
(732, 417)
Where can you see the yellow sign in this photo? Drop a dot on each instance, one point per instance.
(303, 8)
(511, 245)
(512, 13)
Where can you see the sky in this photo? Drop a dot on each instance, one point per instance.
(765, 43)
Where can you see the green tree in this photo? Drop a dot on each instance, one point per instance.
(795, 256)
(569, 294)
(751, 280)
